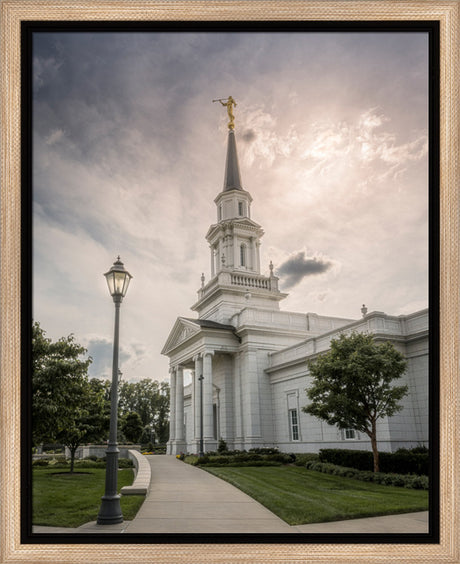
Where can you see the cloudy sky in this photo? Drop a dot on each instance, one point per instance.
(129, 154)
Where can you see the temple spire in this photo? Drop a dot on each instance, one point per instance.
(232, 179)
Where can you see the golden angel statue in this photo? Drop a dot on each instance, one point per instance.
(229, 103)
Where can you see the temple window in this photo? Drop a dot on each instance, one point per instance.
(243, 255)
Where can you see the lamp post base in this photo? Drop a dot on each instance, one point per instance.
(110, 511)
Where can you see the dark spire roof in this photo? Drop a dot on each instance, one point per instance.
(232, 180)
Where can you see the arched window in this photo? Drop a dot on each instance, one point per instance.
(243, 255)
(220, 212)
(240, 208)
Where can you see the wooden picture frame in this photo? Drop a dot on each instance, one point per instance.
(13, 12)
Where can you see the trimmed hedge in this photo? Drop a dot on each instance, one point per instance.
(398, 480)
(89, 462)
(243, 459)
(303, 458)
(403, 461)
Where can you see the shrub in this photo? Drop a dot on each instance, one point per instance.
(191, 459)
(56, 462)
(398, 480)
(86, 463)
(360, 459)
(264, 450)
(222, 446)
(301, 459)
(125, 463)
(40, 462)
(403, 461)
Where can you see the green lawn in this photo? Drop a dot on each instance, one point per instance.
(300, 496)
(70, 500)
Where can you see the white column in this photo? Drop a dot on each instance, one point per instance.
(251, 398)
(198, 372)
(192, 423)
(219, 256)
(258, 256)
(172, 406)
(179, 404)
(208, 427)
(253, 254)
(236, 252)
(237, 391)
(213, 272)
(218, 414)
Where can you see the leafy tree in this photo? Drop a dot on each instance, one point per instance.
(90, 423)
(351, 385)
(59, 372)
(150, 399)
(146, 435)
(161, 421)
(66, 406)
(132, 426)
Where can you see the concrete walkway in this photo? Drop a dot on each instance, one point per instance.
(185, 499)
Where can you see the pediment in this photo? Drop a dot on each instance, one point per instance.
(244, 222)
(182, 330)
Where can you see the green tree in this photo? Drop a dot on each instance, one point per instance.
(351, 385)
(66, 406)
(59, 372)
(132, 426)
(90, 422)
(150, 399)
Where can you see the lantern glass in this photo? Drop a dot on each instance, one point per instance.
(118, 279)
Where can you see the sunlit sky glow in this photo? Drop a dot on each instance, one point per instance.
(129, 154)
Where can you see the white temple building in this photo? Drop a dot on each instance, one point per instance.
(248, 358)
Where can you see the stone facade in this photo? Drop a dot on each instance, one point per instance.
(248, 359)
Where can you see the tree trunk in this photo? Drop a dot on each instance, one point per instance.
(72, 458)
(375, 452)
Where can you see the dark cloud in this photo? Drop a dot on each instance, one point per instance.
(101, 351)
(248, 135)
(298, 266)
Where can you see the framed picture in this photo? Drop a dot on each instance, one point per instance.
(334, 129)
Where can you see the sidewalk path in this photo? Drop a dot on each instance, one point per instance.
(185, 499)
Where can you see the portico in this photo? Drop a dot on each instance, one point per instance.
(200, 348)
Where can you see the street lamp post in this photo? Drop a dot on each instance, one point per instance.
(200, 378)
(110, 511)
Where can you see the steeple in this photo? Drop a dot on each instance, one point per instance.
(232, 179)
(234, 243)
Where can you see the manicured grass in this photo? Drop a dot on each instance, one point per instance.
(300, 496)
(70, 500)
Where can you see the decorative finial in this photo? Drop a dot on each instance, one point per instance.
(364, 310)
(202, 279)
(270, 266)
(228, 102)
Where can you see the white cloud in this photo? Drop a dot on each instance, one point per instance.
(55, 136)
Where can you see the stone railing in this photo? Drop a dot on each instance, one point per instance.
(249, 281)
(243, 280)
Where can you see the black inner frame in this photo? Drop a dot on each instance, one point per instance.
(28, 29)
